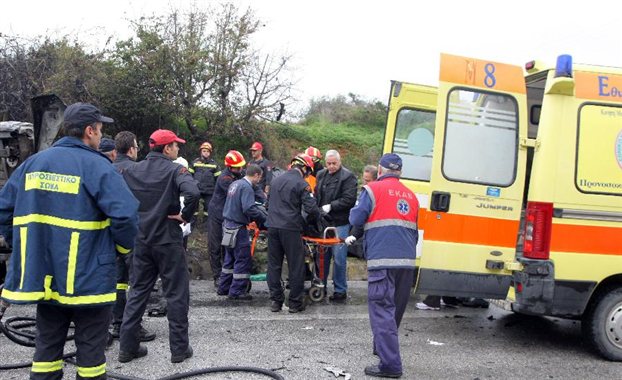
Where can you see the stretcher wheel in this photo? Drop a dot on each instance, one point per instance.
(316, 294)
(249, 286)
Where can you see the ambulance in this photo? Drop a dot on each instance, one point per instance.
(518, 171)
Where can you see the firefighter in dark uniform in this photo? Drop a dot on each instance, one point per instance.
(66, 211)
(289, 197)
(234, 162)
(240, 210)
(264, 164)
(205, 171)
(158, 182)
(127, 152)
(316, 156)
(388, 211)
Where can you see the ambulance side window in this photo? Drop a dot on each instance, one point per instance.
(480, 138)
(599, 150)
(414, 142)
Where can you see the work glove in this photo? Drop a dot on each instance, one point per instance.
(326, 208)
(350, 240)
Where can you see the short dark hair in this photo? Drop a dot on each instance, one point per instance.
(73, 130)
(124, 141)
(253, 169)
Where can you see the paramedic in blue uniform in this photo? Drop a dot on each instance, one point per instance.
(66, 211)
(290, 196)
(240, 210)
(158, 182)
(388, 212)
(234, 164)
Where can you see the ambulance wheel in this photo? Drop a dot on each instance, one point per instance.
(603, 324)
(316, 294)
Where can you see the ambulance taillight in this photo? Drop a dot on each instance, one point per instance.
(537, 230)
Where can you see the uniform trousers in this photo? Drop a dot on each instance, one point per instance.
(286, 244)
(169, 262)
(214, 239)
(90, 336)
(236, 268)
(388, 292)
(123, 280)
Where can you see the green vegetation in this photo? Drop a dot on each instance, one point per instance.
(352, 126)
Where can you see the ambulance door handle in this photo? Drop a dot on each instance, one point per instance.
(440, 201)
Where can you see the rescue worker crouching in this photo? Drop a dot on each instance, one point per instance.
(290, 195)
(240, 209)
(67, 211)
(234, 162)
(158, 183)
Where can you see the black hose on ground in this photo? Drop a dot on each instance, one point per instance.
(12, 330)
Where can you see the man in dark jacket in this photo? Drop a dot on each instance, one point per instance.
(126, 149)
(65, 210)
(240, 210)
(336, 195)
(205, 171)
(264, 164)
(290, 195)
(157, 182)
(234, 162)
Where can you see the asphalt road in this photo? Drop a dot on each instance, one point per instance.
(460, 343)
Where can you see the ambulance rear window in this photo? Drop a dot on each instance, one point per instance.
(414, 142)
(481, 134)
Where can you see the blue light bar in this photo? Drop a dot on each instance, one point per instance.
(564, 66)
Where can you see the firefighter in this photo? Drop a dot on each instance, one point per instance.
(240, 209)
(126, 149)
(205, 171)
(316, 155)
(264, 164)
(157, 182)
(388, 211)
(234, 162)
(290, 196)
(65, 210)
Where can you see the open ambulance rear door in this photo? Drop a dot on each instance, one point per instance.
(477, 179)
(410, 133)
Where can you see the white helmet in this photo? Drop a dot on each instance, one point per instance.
(181, 161)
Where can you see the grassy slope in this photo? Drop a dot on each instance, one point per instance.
(358, 145)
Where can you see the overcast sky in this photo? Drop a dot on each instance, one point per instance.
(360, 46)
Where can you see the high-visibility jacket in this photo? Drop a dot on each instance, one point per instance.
(67, 212)
(205, 171)
(388, 211)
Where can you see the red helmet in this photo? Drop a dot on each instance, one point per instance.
(314, 153)
(234, 159)
(256, 146)
(303, 160)
(206, 145)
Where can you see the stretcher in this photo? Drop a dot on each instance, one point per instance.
(315, 249)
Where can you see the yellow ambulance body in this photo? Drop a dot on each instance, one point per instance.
(519, 175)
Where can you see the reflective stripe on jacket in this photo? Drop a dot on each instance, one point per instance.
(205, 172)
(388, 211)
(68, 211)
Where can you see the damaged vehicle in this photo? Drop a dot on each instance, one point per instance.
(19, 140)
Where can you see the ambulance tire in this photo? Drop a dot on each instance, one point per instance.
(602, 324)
